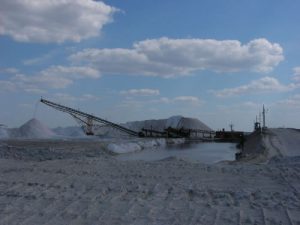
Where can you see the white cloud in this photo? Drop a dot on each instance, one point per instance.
(7, 86)
(35, 90)
(41, 59)
(132, 104)
(187, 99)
(141, 92)
(176, 57)
(72, 72)
(179, 99)
(42, 81)
(293, 101)
(296, 74)
(164, 100)
(265, 84)
(191, 100)
(53, 20)
(70, 98)
(55, 77)
(8, 70)
(251, 105)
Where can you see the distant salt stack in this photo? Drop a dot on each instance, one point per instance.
(179, 122)
(176, 122)
(3, 132)
(147, 124)
(32, 129)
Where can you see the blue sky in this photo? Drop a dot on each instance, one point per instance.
(218, 61)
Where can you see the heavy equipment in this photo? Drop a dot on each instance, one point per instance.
(88, 121)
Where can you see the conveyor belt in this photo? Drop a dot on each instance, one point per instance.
(74, 112)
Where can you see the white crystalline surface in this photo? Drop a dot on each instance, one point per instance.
(123, 147)
(134, 145)
(79, 182)
(282, 142)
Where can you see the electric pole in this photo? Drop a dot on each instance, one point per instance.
(264, 116)
(231, 127)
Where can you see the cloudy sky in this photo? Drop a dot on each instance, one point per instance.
(218, 61)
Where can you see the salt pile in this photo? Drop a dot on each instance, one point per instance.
(3, 132)
(179, 122)
(176, 122)
(32, 129)
(35, 129)
(147, 124)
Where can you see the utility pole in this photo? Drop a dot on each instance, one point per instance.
(264, 116)
(231, 127)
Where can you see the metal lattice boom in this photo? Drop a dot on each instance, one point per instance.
(77, 114)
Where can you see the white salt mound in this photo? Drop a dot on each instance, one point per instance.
(176, 122)
(3, 133)
(179, 122)
(32, 129)
(36, 129)
(147, 124)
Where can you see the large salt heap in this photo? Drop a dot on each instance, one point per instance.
(176, 122)
(3, 132)
(32, 129)
(146, 124)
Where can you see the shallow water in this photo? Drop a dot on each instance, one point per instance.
(203, 152)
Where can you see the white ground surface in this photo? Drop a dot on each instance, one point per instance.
(80, 182)
(284, 142)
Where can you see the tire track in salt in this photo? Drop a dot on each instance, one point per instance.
(288, 216)
(11, 198)
(52, 192)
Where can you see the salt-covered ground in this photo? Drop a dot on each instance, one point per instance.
(283, 142)
(81, 182)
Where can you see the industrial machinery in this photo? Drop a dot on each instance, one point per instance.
(88, 121)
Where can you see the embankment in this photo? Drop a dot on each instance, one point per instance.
(263, 146)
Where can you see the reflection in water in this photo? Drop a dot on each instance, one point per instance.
(203, 152)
